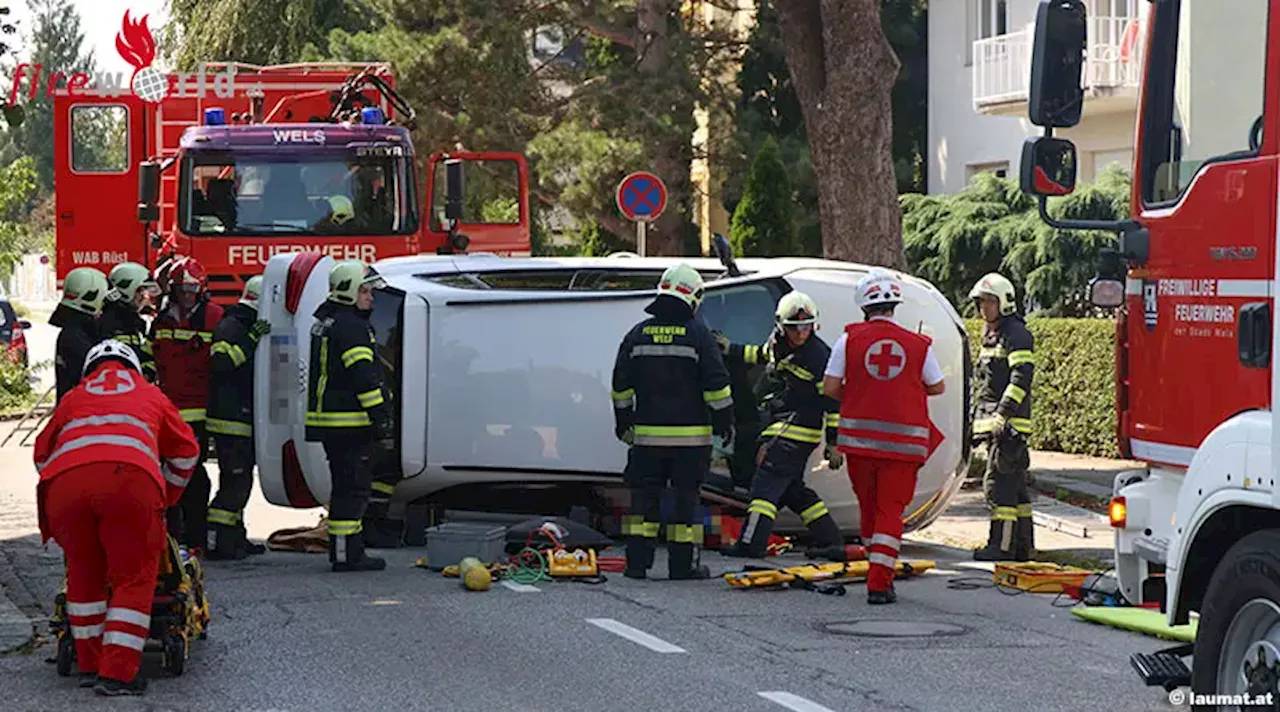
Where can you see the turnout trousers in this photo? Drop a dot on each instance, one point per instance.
(1012, 536)
(884, 489)
(227, 537)
(351, 470)
(380, 531)
(779, 481)
(186, 519)
(649, 472)
(109, 520)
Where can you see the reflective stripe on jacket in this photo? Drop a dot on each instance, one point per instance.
(345, 376)
(884, 412)
(792, 388)
(115, 415)
(231, 366)
(182, 348)
(1006, 363)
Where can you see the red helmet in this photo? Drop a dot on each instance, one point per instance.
(188, 276)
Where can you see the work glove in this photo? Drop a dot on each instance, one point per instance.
(259, 329)
(835, 458)
(722, 444)
(999, 423)
(723, 342)
(627, 436)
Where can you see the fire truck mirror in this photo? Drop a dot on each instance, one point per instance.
(1048, 166)
(1106, 292)
(454, 189)
(1056, 95)
(148, 191)
(1255, 335)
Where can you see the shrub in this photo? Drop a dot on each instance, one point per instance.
(1073, 389)
(762, 222)
(15, 386)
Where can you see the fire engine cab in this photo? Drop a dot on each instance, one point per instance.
(1193, 274)
(237, 163)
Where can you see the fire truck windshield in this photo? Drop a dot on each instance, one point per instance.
(330, 193)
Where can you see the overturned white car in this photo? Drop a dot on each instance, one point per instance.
(500, 369)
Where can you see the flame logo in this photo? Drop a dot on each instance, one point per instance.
(135, 43)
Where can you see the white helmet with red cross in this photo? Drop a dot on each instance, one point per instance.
(113, 350)
(878, 288)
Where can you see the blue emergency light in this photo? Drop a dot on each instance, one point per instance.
(215, 117)
(372, 115)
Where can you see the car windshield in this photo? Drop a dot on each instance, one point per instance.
(335, 193)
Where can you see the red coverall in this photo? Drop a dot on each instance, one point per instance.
(886, 432)
(181, 344)
(113, 456)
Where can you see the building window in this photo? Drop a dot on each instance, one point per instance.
(999, 168)
(984, 19)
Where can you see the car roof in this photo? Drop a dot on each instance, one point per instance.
(755, 267)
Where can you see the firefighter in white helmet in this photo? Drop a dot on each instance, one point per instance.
(882, 375)
(83, 292)
(796, 413)
(230, 420)
(1002, 417)
(671, 398)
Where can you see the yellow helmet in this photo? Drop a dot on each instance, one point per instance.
(341, 210)
(995, 285)
(84, 290)
(252, 292)
(127, 278)
(684, 283)
(796, 308)
(347, 277)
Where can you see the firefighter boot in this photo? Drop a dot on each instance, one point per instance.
(1024, 536)
(639, 557)
(683, 564)
(249, 547)
(828, 543)
(754, 542)
(999, 542)
(225, 542)
(347, 554)
(380, 531)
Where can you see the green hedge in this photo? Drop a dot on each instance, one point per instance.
(1073, 390)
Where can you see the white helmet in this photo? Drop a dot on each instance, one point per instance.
(796, 308)
(252, 292)
(111, 348)
(878, 288)
(684, 283)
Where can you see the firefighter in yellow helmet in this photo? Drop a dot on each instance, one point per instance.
(351, 413)
(340, 212)
(1002, 417)
(797, 416)
(83, 292)
(671, 400)
(230, 420)
(132, 292)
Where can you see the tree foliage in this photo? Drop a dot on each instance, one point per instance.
(992, 226)
(763, 224)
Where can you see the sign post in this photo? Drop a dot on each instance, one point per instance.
(641, 198)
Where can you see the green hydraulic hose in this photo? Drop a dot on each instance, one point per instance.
(521, 572)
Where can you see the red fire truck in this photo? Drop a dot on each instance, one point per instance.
(1194, 275)
(237, 162)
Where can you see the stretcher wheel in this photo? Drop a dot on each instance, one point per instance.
(175, 654)
(66, 654)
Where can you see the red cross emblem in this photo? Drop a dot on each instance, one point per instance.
(111, 382)
(885, 359)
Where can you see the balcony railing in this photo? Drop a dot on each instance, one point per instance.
(1002, 64)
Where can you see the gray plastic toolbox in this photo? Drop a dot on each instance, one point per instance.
(451, 542)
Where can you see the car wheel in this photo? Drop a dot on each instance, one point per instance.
(1237, 646)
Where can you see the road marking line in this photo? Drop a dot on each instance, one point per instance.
(636, 636)
(794, 702)
(520, 587)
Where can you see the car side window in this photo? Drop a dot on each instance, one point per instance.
(743, 313)
(386, 320)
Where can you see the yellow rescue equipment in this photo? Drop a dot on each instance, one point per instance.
(823, 578)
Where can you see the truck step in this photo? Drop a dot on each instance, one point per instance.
(1163, 668)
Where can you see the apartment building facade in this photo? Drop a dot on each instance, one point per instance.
(979, 69)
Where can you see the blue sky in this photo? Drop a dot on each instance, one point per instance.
(100, 21)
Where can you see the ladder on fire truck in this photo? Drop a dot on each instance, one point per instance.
(45, 414)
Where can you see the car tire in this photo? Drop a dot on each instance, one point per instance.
(1242, 600)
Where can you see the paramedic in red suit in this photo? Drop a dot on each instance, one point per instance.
(883, 375)
(182, 340)
(112, 457)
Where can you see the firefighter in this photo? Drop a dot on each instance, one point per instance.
(83, 293)
(339, 211)
(182, 336)
(230, 421)
(347, 407)
(113, 455)
(883, 374)
(792, 403)
(672, 400)
(1002, 418)
(132, 291)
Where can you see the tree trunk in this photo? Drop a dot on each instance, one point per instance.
(672, 150)
(844, 69)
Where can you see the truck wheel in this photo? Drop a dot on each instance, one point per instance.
(1237, 647)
